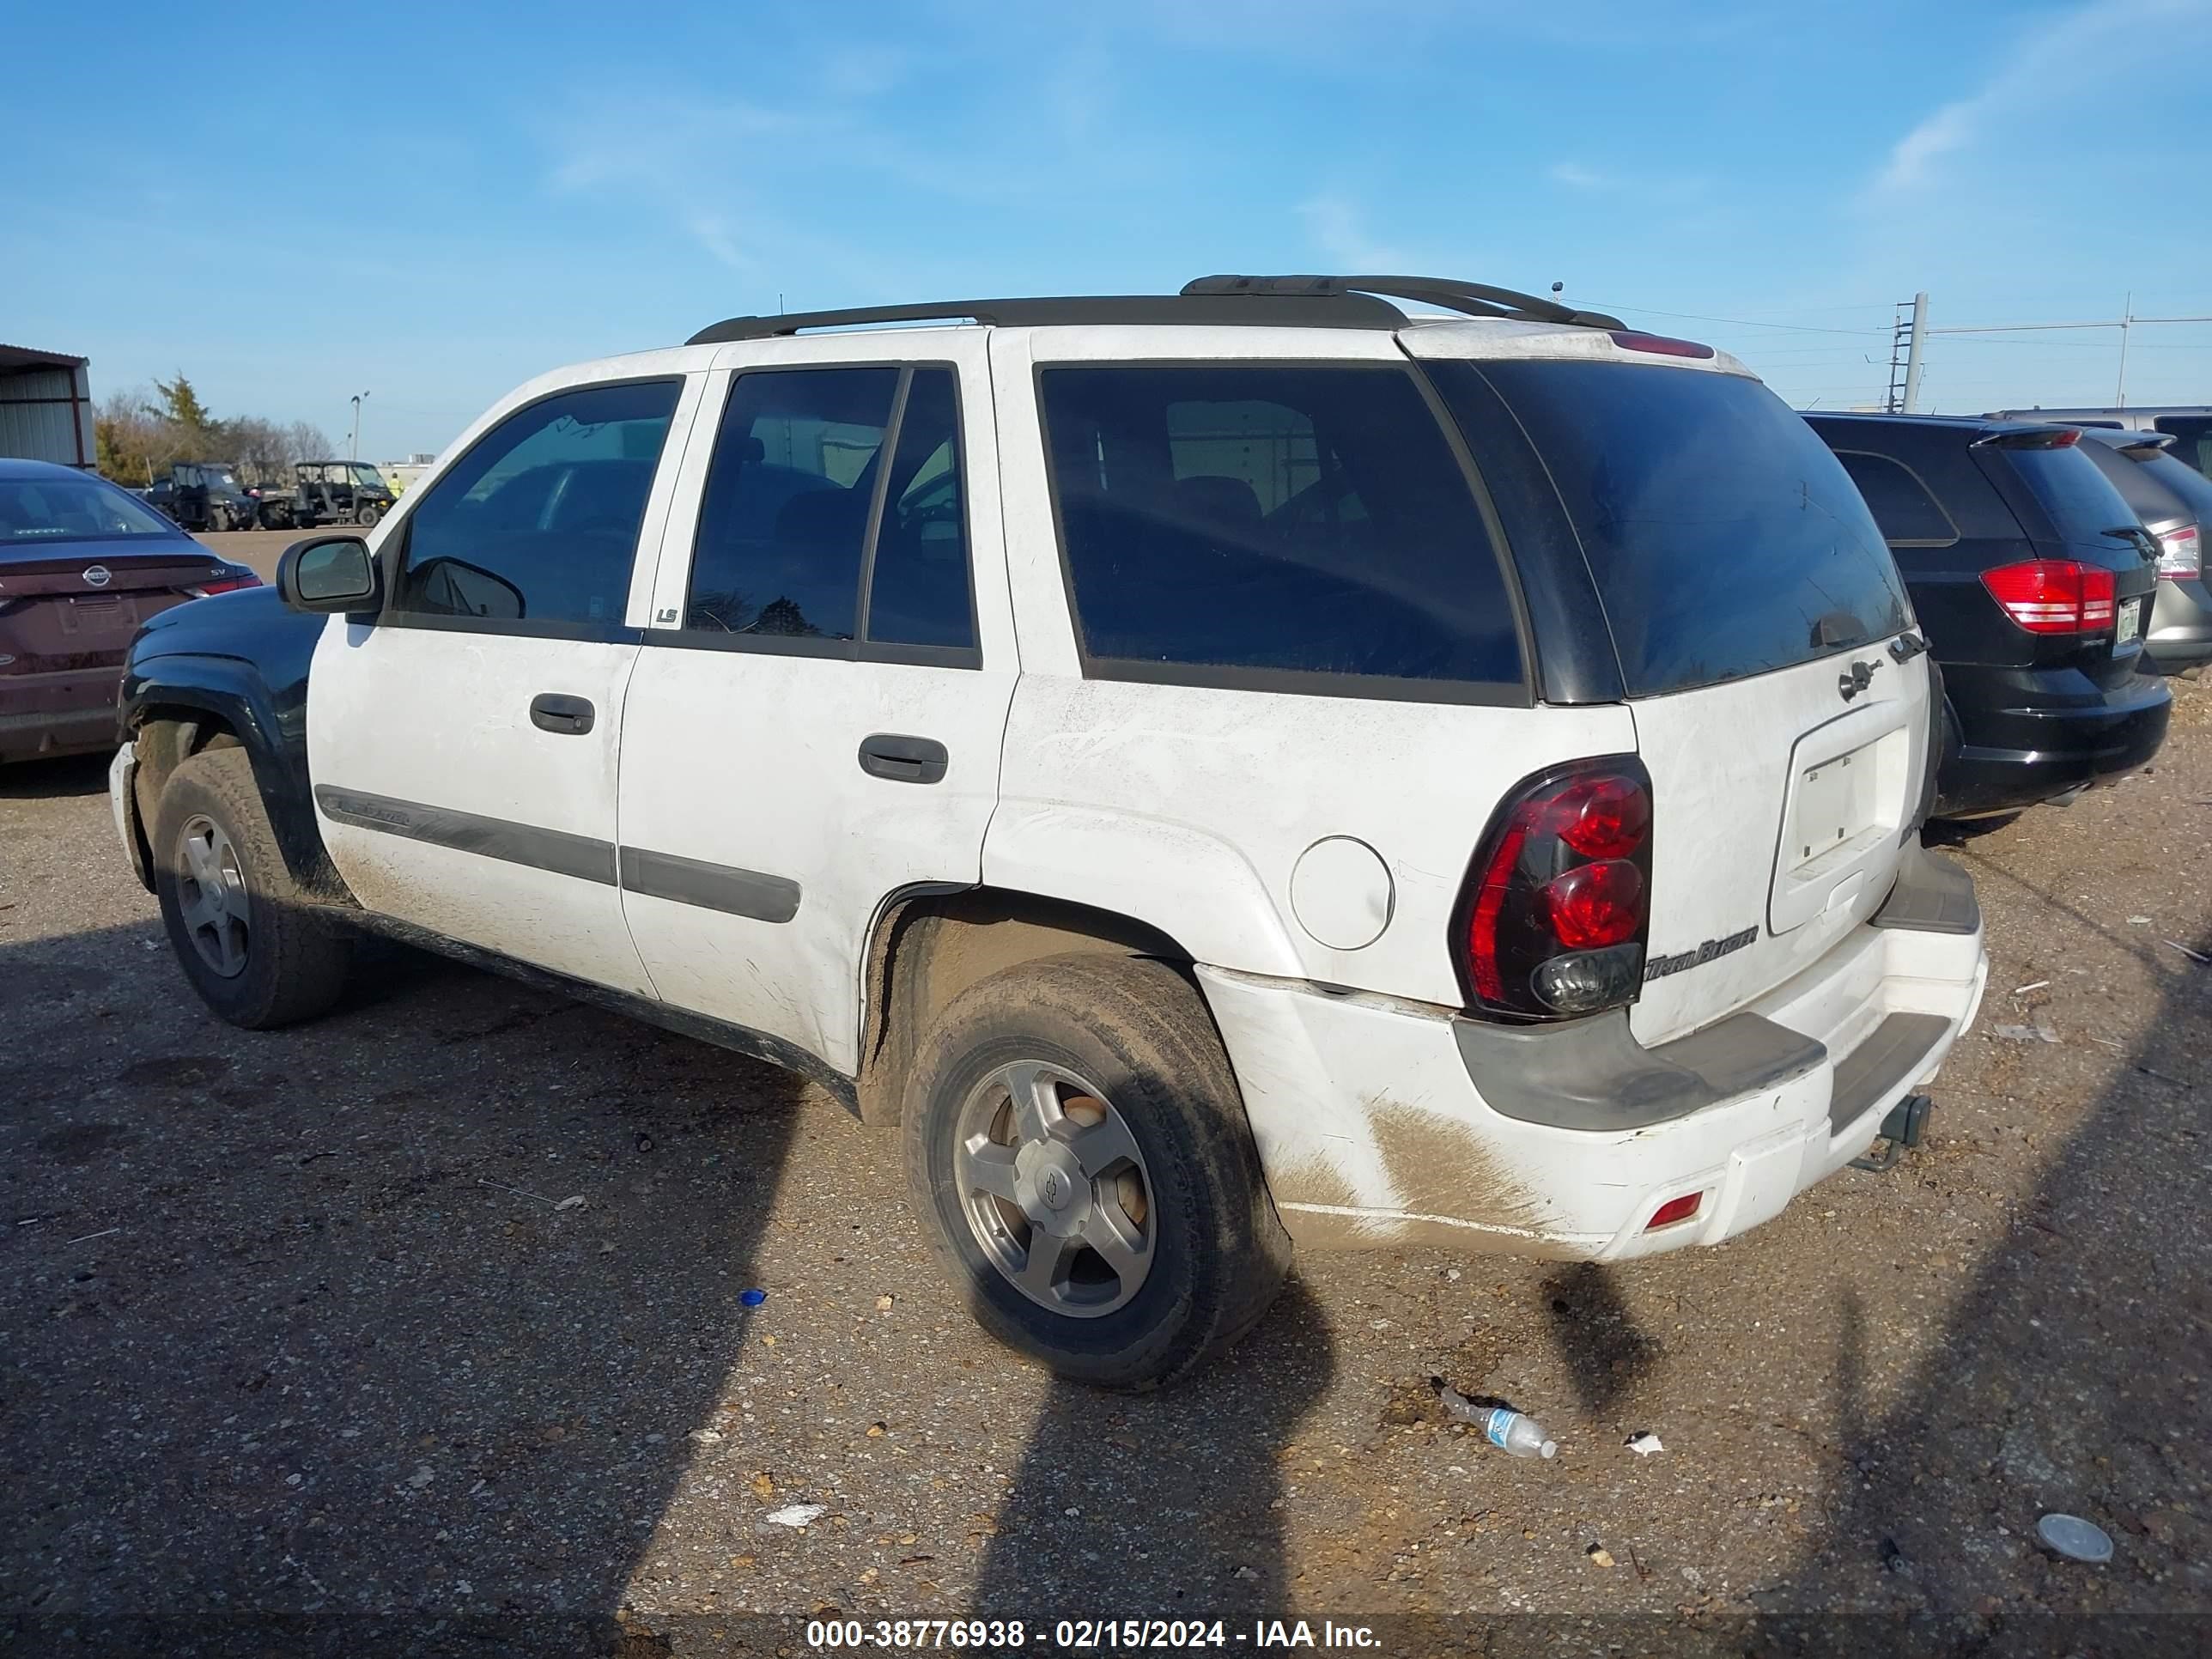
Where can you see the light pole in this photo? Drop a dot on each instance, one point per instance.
(353, 444)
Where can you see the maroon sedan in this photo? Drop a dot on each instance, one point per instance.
(82, 564)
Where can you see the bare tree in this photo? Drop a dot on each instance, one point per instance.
(305, 442)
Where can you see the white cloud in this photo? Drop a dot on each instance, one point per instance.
(1576, 177)
(2061, 69)
(1336, 226)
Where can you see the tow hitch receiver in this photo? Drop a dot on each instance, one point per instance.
(1900, 1131)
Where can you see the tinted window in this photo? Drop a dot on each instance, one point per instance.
(1309, 519)
(1900, 502)
(918, 585)
(1725, 538)
(2082, 504)
(2194, 432)
(2148, 499)
(785, 521)
(538, 521)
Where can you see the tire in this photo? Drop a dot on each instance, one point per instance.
(1138, 1035)
(280, 960)
(365, 516)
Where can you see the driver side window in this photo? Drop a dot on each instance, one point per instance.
(538, 522)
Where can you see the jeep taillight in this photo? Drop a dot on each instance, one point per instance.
(1558, 908)
(2054, 596)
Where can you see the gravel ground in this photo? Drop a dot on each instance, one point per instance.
(301, 1337)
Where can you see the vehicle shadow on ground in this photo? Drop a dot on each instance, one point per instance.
(2071, 1377)
(1180, 1491)
(71, 775)
(307, 1346)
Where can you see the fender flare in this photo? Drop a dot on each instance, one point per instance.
(229, 691)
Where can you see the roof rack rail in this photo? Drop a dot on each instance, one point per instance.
(1446, 293)
(1323, 311)
(1281, 302)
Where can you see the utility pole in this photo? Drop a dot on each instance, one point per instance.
(1912, 351)
(2127, 322)
(353, 444)
(1904, 356)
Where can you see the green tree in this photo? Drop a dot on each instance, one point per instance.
(181, 406)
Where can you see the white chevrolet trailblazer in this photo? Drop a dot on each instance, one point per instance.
(1220, 771)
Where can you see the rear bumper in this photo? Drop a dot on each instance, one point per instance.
(2027, 735)
(2181, 635)
(1375, 1129)
(70, 714)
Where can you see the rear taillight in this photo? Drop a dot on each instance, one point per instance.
(1556, 910)
(229, 581)
(2181, 554)
(2053, 596)
(1665, 345)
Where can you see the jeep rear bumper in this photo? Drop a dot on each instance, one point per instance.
(1376, 1125)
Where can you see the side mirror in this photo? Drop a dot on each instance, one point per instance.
(329, 573)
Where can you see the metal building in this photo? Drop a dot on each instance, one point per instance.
(45, 407)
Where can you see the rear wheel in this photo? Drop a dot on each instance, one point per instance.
(257, 954)
(365, 516)
(1076, 1142)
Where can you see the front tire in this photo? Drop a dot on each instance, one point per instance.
(257, 953)
(365, 516)
(1076, 1145)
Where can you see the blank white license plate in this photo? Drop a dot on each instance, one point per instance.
(2128, 621)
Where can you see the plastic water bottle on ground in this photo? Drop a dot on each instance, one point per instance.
(1518, 1434)
(1513, 1432)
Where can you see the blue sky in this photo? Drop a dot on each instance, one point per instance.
(454, 199)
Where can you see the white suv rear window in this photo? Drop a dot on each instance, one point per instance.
(1725, 538)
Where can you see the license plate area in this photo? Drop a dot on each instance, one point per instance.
(1836, 805)
(2127, 620)
(1851, 785)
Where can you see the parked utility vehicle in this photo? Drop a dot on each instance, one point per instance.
(1220, 771)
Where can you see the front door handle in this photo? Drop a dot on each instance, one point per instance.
(903, 759)
(563, 715)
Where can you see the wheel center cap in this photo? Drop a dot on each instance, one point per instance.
(1055, 1195)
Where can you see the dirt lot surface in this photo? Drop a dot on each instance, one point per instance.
(304, 1348)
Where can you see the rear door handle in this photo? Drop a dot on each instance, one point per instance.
(561, 714)
(903, 759)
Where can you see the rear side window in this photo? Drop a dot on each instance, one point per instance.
(797, 486)
(538, 522)
(1283, 526)
(1900, 504)
(1725, 538)
(785, 522)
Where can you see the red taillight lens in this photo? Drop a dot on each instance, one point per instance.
(1594, 905)
(224, 584)
(1602, 818)
(2181, 554)
(1666, 345)
(1675, 1210)
(2054, 596)
(1557, 906)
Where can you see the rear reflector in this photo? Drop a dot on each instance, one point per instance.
(1665, 345)
(1675, 1210)
(2181, 554)
(2053, 596)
